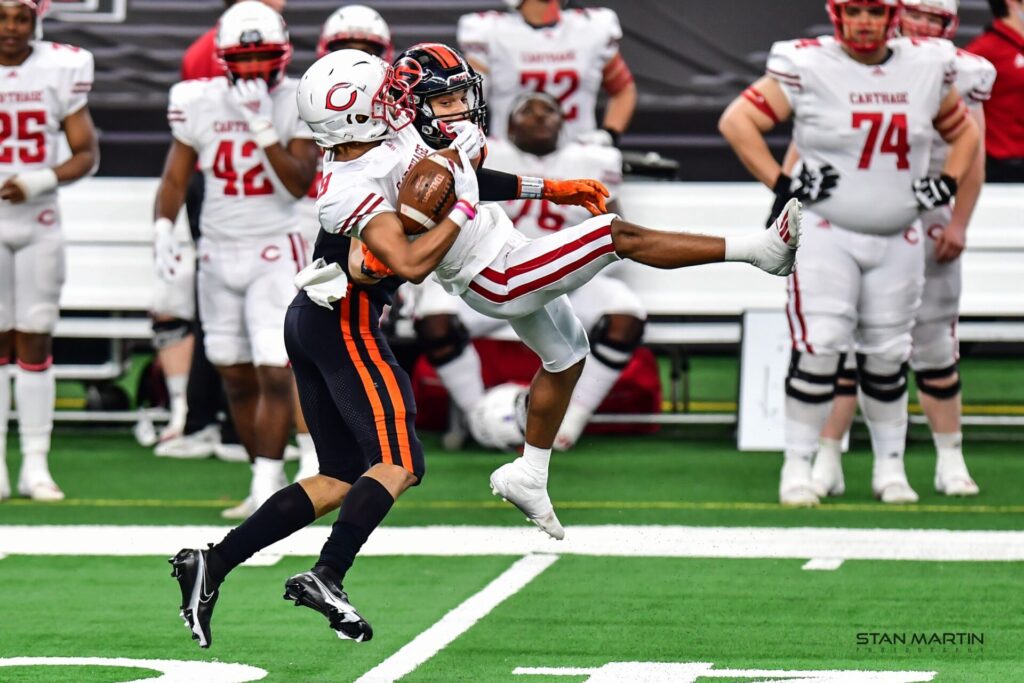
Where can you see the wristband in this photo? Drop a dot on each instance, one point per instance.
(462, 213)
(530, 187)
(264, 134)
(35, 183)
(163, 226)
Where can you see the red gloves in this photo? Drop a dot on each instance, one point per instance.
(373, 266)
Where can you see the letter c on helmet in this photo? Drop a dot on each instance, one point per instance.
(330, 97)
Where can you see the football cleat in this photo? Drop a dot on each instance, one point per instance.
(827, 473)
(516, 484)
(778, 255)
(198, 594)
(309, 589)
(796, 489)
(241, 511)
(230, 452)
(889, 481)
(39, 486)
(952, 477)
(199, 444)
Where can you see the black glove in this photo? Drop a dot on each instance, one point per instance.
(812, 185)
(932, 193)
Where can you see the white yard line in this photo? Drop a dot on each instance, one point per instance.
(263, 560)
(458, 621)
(620, 541)
(823, 564)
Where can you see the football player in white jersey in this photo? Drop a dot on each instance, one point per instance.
(865, 109)
(612, 314)
(244, 132)
(934, 355)
(572, 54)
(496, 269)
(44, 89)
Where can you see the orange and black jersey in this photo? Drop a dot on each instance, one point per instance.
(333, 248)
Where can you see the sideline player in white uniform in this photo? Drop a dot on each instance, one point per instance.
(610, 312)
(495, 268)
(865, 110)
(44, 89)
(570, 54)
(245, 133)
(934, 355)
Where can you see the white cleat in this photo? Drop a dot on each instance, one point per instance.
(782, 240)
(230, 452)
(827, 474)
(240, 511)
(796, 489)
(889, 482)
(571, 429)
(528, 492)
(200, 444)
(39, 486)
(952, 477)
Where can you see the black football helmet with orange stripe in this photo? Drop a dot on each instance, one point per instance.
(433, 69)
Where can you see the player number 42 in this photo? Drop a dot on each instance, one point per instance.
(894, 141)
(254, 181)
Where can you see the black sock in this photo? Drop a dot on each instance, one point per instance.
(364, 508)
(284, 513)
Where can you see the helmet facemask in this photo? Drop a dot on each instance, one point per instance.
(239, 63)
(837, 14)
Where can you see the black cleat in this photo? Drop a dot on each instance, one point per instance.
(197, 600)
(308, 589)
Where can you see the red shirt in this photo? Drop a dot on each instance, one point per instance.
(1004, 113)
(200, 60)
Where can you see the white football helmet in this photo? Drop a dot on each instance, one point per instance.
(359, 23)
(498, 420)
(251, 28)
(40, 7)
(947, 10)
(516, 4)
(352, 96)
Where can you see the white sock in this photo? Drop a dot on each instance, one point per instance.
(35, 394)
(804, 422)
(830, 447)
(594, 384)
(177, 386)
(305, 441)
(949, 445)
(887, 422)
(461, 377)
(309, 463)
(5, 408)
(268, 469)
(537, 458)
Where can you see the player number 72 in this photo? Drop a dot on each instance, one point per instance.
(893, 142)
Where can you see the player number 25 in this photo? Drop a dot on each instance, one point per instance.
(894, 141)
(26, 127)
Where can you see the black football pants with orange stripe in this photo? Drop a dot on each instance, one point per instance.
(356, 399)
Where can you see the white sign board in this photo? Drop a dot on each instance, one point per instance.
(764, 361)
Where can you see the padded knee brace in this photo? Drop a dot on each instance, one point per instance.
(882, 379)
(615, 353)
(812, 377)
(846, 380)
(170, 332)
(925, 379)
(443, 338)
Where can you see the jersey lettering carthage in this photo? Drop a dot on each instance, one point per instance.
(872, 123)
(243, 200)
(354, 192)
(35, 97)
(566, 60)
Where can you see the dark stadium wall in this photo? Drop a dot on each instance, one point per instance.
(689, 57)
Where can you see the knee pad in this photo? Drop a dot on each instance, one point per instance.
(615, 353)
(846, 380)
(935, 346)
(169, 332)
(442, 338)
(39, 318)
(881, 378)
(812, 377)
(224, 350)
(925, 379)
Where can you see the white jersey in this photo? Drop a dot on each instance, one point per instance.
(566, 60)
(242, 200)
(354, 192)
(974, 79)
(35, 97)
(873, 124)
(538, 217)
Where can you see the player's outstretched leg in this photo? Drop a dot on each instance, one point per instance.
(319, 589)
(199, 592)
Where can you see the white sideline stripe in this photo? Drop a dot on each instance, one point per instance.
(263, 560)
(459, 620)
(825, 564)
(804, 543)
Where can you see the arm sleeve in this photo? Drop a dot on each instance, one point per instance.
(78, 82)
(496, 186)
(783, 67)
(472, 36)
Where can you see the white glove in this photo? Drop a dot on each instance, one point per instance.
(468, 137)
(598, 136)
(166, 251)
(324, 283)
(252, 98)
(467, 188)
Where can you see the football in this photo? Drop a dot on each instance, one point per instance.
(428, 192)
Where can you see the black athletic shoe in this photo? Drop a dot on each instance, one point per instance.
(197, 598)
(309, 589)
